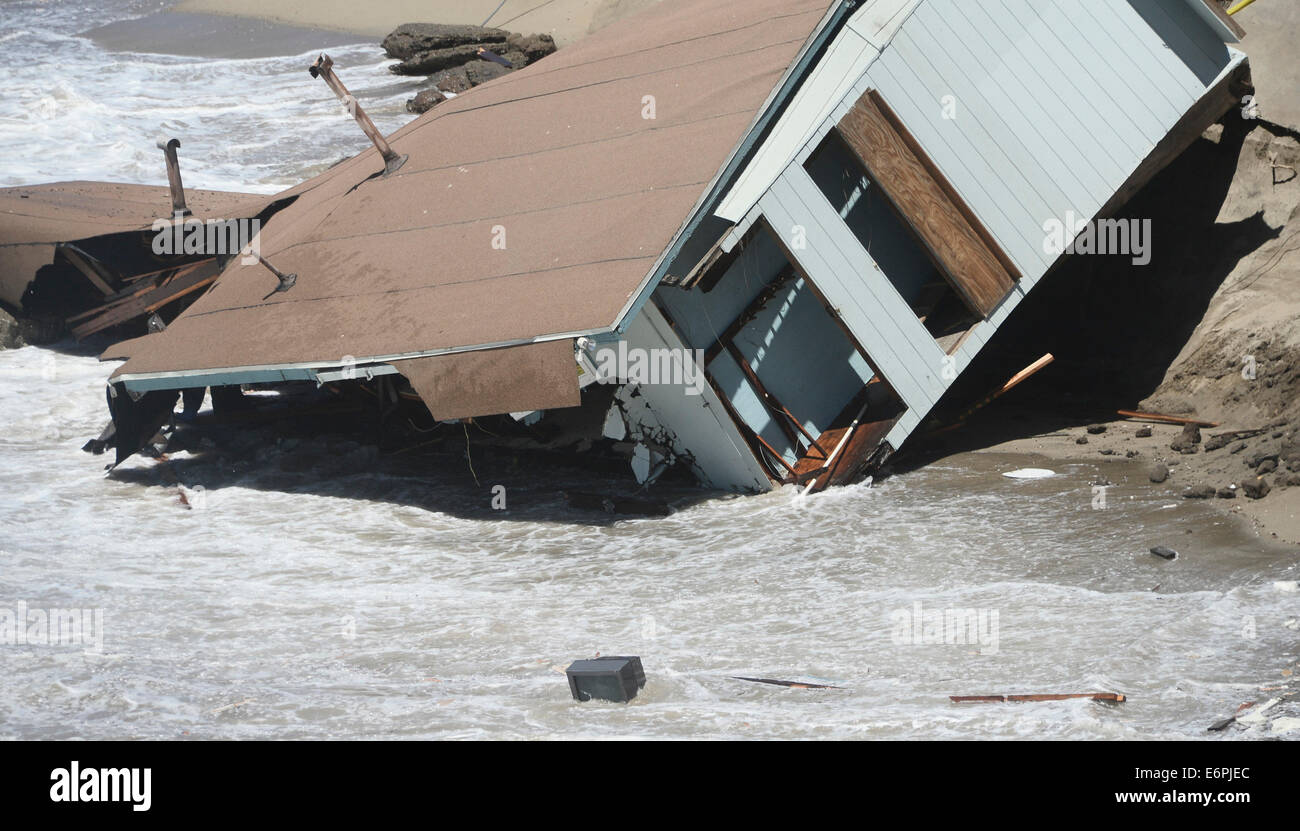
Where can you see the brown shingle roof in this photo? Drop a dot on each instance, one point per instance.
(589, 194)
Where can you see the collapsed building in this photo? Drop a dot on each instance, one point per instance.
(82, 256)
(763, 239)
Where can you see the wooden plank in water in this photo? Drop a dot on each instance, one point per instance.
(1097, 696)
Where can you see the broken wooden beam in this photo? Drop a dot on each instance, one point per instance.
(95, 271)
(1011, 383)
(1167, 419)
(186, 280)
(794, 685)
(1096, 696)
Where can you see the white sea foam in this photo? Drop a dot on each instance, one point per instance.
(349, 604)
(74, 110)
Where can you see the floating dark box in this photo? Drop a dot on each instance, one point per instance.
(609, 678)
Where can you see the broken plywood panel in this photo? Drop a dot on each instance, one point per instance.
(537, 376)
(959, 248)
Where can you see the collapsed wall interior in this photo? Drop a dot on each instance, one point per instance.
(118, 282)
(792, 377)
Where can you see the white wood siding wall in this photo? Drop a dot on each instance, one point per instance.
(1056, 104)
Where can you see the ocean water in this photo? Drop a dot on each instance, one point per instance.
(291, 600)
(74, 110)
(340, 603)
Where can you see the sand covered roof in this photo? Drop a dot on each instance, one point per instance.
(533, 206)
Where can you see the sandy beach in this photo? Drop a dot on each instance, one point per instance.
(210, 35)
(1127, 453)
(565, 20)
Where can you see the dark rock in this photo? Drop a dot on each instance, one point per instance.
(1293, 462)
(424, 101)
(1143, 433)
(454, 80)
(1266, 466)
(1200, 492)
(1288, 480)
(411, 39)
(533, 47)
(480, 72)
(1081, 440)
(1215, 442)
(1227, 493)
(1096, 429)
(1162, 551)
(1158, 472)
(518, 60)
(1256, 488)
(1257, 458)
(1132, 454)
(1189, 438)
(1240, 447)
(1107, 452)
(427, 63)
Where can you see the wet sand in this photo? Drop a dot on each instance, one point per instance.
(216, 36)
(565, 20)
(1044, 441)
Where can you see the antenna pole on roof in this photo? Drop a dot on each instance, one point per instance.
(286, 280)
(324, 68)
(168, 146)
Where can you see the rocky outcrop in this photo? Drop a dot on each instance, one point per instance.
(410, 39)
(450, 55)
(427, 63)
(425, 48)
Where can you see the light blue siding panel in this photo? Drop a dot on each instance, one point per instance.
(841, 269)
(969, 132)
(909, 421)
(1124, 42)
(1001, 208)
(1201, 55)
(1052, 42)
(1041, 146)
(1069, 40)
(881, 346)
(1049, 97)
(868, 286)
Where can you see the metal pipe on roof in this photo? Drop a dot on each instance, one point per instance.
(324, 68)
(168, 146)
